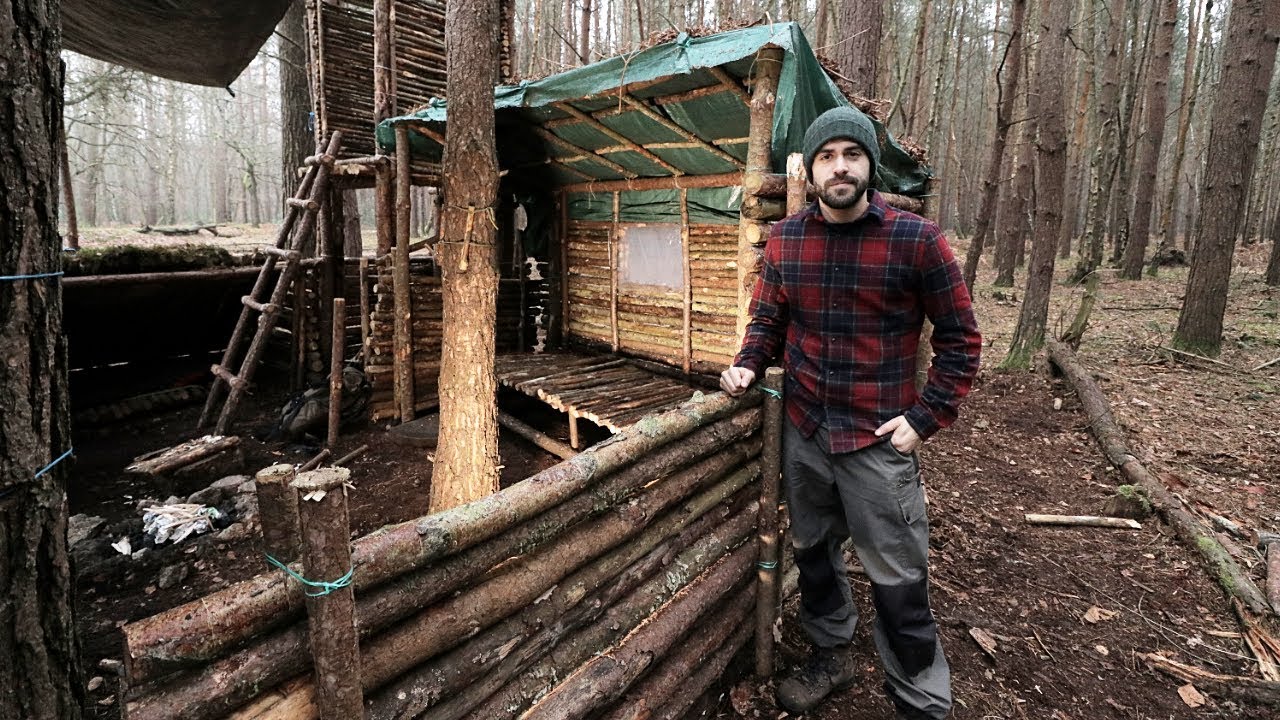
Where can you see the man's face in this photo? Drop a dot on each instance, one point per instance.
(841, 172)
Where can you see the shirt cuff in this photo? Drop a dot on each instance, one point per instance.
(922, 421)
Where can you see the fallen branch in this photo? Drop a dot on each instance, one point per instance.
(1235, 581)
(351, 456)
(1266, 365)
(1194, 356)
(1084, 521)
(1237, 686)
(179, 456)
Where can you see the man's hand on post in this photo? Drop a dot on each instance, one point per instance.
(904, 439)
(736, 380)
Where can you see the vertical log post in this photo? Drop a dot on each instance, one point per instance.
(687, 326)
(564, 267)
(614, 258)
(364, 306)
(751, 233)
(278, 511)
(797, 183)
(300, 331)
(403, 340)
(335, 368)
(326, 555)
(324, 274)
(767, 562)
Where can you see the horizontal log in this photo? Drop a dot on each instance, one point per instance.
(568, 607)
(729, 179)
(509, 701)
(184, 277)
(208, 628)
(442, 626)
(179, 456)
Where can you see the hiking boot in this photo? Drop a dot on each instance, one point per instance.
(826, 670)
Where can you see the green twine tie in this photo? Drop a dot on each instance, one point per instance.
(326, 587)
(771, 391)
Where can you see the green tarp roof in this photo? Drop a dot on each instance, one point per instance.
(660, 77)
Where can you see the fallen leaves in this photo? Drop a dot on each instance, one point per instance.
(985, 641)
(1095, 615)
(1191, 696)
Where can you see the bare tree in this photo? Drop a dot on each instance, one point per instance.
(1151, 142)
(466, 461)
(296, 141)
(1248, 61)
(1051, 145)
(39, 653)
(1008, 73)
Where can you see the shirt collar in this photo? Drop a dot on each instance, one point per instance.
(875, 210)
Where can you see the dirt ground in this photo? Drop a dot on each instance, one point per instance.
(1208, 429)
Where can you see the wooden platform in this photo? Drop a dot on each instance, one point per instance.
(610, 391)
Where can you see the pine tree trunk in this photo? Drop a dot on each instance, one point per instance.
(1192, 71)
(1247, 64)
(296, 142)
(1010, 70)
(1272, 276)
(39, 653)
(1150, 143)
(1104, 169)
(918, 63)
(466, 464)
(861, 22)
(1051, 145)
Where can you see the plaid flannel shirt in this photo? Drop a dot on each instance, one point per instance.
(849, 300)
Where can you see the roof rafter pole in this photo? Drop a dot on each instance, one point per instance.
(667, 123)
(614, 134)
(729, 179)
(555, 139)
(751, 233)
(737, 89)
(383, 99)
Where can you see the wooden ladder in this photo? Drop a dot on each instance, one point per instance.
(305, 203)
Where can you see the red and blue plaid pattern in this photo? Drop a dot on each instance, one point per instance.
(850, 299)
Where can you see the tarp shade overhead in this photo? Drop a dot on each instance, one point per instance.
(191, 41)
(661, 73)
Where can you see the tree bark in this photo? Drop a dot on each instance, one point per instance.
(1247, 64)
(1010, 70)
(1104, 168)
(1272, 276)
(39, 653)
(1015, 224)
(858, 56)
(1192, 70)
(466, 461)
(1151, 141)
(918, 66)
(296, 141)
(1051, 147)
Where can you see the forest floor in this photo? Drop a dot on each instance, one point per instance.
(1210, 430)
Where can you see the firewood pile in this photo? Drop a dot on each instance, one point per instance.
(623, 578)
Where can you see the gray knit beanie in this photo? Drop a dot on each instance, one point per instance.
(842, 122)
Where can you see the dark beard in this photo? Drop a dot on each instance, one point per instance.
(843, 202)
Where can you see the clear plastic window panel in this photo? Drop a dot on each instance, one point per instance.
(650, 255)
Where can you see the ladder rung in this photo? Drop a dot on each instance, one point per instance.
(264, 308)
(323, 159)
(308, 205)
(227, 376)
(281, 252)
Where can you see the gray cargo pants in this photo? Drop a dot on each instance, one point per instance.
(874, 496)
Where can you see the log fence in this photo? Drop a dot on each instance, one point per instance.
(575, 591)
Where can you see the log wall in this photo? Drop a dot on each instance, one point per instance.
(649, 320)
(635, 562)
(427, 325)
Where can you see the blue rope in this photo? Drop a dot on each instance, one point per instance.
(767, 565)
(325, 586)
(49, 467)
(13, 488)
(771, 391)
(37, 276)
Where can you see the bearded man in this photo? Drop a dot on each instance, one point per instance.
(842, 297)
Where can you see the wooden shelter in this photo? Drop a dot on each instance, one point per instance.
(646, 184)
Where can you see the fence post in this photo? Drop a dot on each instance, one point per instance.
(278, 511)
(767, 560)
(326, 555)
